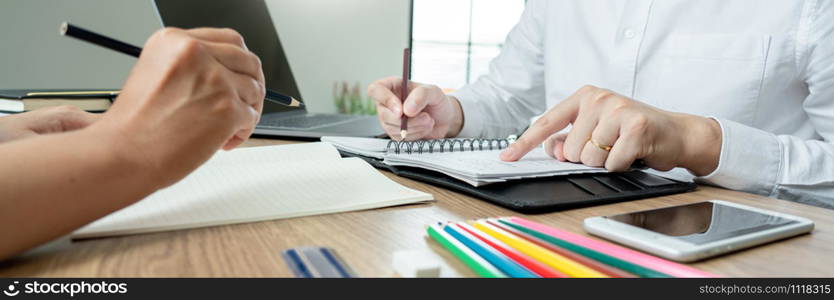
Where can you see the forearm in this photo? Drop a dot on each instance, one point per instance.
(487, 110)
(503, 101)
(783, 166)
(56, 183)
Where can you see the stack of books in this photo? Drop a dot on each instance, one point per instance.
(516, 247)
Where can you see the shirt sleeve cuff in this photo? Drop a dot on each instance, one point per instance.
(750, 159)
(473, 122)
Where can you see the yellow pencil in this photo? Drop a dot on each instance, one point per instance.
(554, 260)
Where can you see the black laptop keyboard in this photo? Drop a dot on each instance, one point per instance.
(305, 121)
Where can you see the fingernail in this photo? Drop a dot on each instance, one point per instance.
(409, 106)
(508, 154)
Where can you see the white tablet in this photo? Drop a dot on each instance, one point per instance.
(699, 230)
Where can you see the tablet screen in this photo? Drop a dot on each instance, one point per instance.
(703, 222)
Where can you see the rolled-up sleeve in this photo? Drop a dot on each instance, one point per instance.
(502, 102)
(785, 166)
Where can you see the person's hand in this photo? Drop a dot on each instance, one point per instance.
(190, 93)
(44, 121)
(613, 131)
(431, 113)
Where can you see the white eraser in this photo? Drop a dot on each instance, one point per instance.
(416, 263)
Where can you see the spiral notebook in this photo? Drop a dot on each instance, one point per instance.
(474, 161)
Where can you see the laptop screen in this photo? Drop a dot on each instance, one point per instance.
(252, 20)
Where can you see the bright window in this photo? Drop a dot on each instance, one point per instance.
(454, 40)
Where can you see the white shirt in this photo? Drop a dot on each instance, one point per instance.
(763, 68)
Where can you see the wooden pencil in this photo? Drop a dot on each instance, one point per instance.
(70, 30)
(404, 92)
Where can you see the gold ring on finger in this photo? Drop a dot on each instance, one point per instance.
(603, 147)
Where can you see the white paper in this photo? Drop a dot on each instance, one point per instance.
(257, 184)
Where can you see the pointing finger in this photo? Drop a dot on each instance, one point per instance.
(554, 120)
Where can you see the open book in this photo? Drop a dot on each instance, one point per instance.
(474, 161)
(257, 184)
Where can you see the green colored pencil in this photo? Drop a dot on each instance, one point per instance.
(589, 253)
(469, 257)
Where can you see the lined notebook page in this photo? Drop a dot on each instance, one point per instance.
(477, 167)
(239, 186)
(487, 164)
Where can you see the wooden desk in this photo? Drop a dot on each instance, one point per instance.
(367, 240)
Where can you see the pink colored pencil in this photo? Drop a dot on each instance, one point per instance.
(656, 263)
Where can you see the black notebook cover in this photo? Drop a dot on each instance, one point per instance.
(548, 194)
(59, 93)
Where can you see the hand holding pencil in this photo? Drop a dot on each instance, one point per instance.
(70, 30)
(190, 93)
(424, 113)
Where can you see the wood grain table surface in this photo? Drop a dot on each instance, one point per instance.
(367, 240)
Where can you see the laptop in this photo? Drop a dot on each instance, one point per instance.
(252, 20)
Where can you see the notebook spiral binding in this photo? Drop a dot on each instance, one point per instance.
(447, 145)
